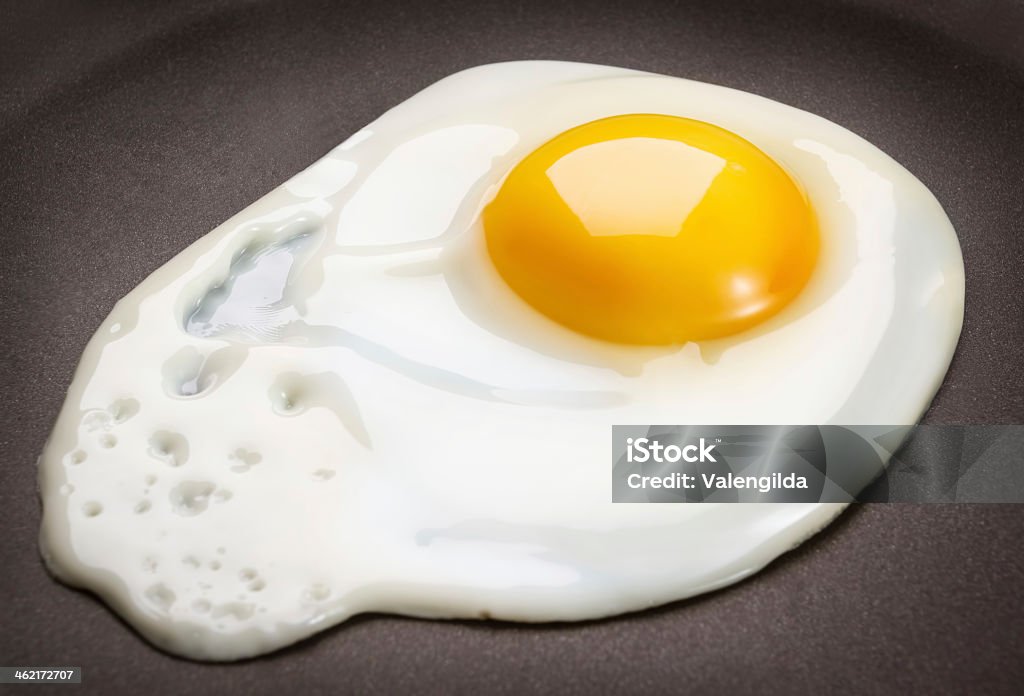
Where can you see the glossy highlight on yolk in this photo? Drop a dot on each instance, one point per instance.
(652, 229)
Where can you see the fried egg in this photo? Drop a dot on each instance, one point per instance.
(389, 384)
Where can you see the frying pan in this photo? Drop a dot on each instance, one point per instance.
(128, 130)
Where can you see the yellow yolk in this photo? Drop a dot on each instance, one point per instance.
(651, 229)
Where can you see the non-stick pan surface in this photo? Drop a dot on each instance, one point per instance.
(128, 130)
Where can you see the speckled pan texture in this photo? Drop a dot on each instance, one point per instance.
(126, 133)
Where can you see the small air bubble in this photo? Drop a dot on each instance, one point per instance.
(169, 447)
(287, 395)
(239, 611)
(66, 489)
(318, 592)
(149, 564)
(221, 550)
(214, 565)
(248, 574)
(323, 474)
(245, 459)
(142, 506)
(200, 606)
(107, 441)
(77, 457)
(92, 508)
(96, 420)
(190, 498)
(222, 495)
(257, 585)
(160, 596)
(123, 409)
(190, 561)
(150, 479)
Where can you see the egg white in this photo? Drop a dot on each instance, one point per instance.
(363, 417)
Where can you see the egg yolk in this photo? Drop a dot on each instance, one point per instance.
(652, 229)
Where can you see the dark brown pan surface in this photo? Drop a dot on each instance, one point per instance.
(127, 132)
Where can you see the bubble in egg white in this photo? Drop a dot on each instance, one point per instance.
(331, 404)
